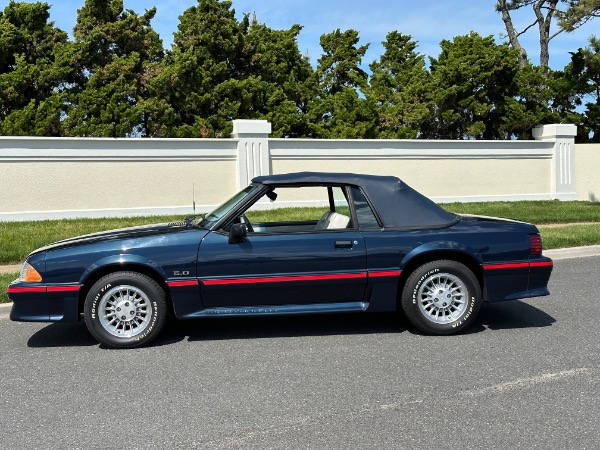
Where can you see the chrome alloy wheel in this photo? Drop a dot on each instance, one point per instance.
(125, 311)
(442, 298)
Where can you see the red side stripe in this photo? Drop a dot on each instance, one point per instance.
(182, 283)
(518, 265)
(506, 266)
(62, 288)
(21, 290)
(389, 273)
(541, 264)
(338, 276)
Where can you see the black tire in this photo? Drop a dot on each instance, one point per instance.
(441, 297)
(125, 310)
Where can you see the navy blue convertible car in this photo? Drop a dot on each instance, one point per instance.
(359, 243)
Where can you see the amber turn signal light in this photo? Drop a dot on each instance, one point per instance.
(30, 275)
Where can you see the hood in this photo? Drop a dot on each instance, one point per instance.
(122, 233)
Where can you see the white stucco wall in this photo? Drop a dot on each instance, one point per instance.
(70, 177)
(587, 171)
(80, 185)
(447, 179)
(44, 178)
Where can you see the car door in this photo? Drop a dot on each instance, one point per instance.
(283, 268)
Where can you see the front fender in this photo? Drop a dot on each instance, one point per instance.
(121, 260)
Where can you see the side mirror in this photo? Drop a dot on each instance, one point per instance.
(237, 233)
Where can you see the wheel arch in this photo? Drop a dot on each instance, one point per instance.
(107, 269)
(462, 257)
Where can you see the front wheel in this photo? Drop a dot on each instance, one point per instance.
(125, 310)
(441, 297)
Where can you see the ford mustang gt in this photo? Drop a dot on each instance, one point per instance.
(358, 243)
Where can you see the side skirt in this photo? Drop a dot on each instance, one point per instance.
(273, 310)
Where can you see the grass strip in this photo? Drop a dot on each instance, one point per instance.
(5, 280)
(570, 236)
(18, 239)
(538, 212)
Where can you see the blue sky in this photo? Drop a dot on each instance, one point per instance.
(427, 21)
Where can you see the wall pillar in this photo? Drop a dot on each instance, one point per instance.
(253, 157)
(563, 158)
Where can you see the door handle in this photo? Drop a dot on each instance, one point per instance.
(343, 244)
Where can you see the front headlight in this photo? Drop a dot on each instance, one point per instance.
(29, 274)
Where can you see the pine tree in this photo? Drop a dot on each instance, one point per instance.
(340, 110)
(32, 72)
(399, 87)
(116, 53)
(473, 81)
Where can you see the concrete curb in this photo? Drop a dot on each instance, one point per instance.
(573, 252)
(556, 254)
(5, 310)
(11, 269)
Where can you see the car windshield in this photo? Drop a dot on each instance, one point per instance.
(213, 217)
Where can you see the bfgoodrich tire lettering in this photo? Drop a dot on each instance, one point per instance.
(441, 297)
(125, 310)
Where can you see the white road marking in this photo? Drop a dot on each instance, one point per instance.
(528, 382)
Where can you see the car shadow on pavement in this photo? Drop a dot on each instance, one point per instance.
(493, 316)
(76, 334)
(512, 315)
(62, 335)
(281, 327)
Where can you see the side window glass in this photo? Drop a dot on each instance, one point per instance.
(364, 214)
(291, 204)
(340, 201)
(296, 209)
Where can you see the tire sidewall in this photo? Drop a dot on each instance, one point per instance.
(155, 295)
(410, 302)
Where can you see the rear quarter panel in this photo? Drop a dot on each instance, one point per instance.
(480, 243)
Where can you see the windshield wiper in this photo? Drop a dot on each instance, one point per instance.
(193, 219)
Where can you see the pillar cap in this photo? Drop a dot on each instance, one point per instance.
(250, 127)
(554, 131)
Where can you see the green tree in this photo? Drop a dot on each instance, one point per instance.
(278, 78)
(399, 88)
(571, 14)
(116, 54)
(200, 80)
(222, 69)
(536, 92)
(578, 13)
(340, 109)
(544, 12)
(473, 81)
(32, 72)
(585, 69)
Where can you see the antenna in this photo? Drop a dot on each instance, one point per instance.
(194, 197)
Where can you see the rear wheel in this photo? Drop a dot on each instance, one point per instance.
(441, 297)
(125, 310)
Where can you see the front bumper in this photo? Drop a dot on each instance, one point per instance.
(44, 303)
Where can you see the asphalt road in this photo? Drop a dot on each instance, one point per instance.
(527, 375)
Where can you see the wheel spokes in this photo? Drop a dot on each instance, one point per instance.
(442, 298)
(126, 311)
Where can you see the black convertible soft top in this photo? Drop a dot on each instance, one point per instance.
(398, 205)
